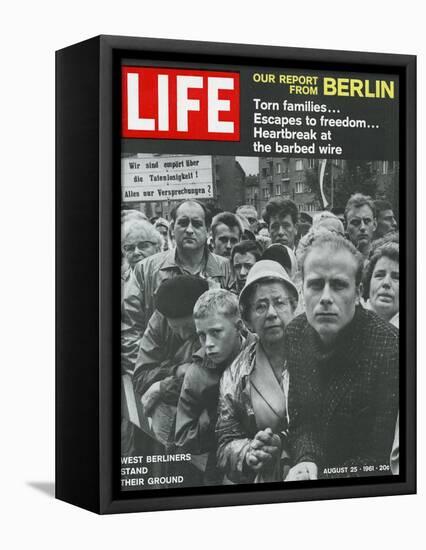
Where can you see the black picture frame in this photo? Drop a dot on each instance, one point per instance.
(87, 295)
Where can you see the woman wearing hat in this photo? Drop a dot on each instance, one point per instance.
(252, 415)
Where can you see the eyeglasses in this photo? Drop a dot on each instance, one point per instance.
(142, 246)
(279, 304)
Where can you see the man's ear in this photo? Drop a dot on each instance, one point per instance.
(375, 224)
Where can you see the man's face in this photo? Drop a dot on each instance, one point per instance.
(242, 263)
(219, 336)
(251, 216)
(184, 327)
(361, 226)
(386, 223)
(384, 288)
(271, 309)
(225, 238)
(330, 291)
(282, 230)
(137, 246)
(190, 229)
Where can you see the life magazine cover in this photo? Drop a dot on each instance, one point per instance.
(259, 275)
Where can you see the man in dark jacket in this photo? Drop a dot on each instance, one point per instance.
(165, 353)
(168, 343)
(343, 365)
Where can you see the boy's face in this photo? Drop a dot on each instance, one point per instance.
(219, 336)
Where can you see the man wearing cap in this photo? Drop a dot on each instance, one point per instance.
(190, 223)
(253, 413)
(343, 363)
(169, 342)
(165, 353)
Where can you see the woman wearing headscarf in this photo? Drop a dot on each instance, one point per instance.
(252, 415)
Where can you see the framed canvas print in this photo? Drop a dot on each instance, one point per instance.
(235, 274)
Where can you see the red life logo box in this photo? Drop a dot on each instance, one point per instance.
(180, 104)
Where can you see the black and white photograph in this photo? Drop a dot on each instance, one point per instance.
(260, 317)
(260, 290)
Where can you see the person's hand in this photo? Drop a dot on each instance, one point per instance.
(263, 449)
(150, 398)
(302, 472)
(181, 370)
(253, 462)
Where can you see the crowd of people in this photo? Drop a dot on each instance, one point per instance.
(269, 347)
